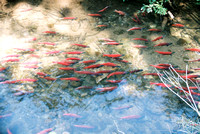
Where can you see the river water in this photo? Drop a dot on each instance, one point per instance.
(134, 106)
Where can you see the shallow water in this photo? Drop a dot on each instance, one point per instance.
(134, 107)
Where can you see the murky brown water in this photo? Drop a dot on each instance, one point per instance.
(51, 99)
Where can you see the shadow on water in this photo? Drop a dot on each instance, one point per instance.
(134, 107)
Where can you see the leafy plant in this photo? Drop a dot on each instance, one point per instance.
(155, 6)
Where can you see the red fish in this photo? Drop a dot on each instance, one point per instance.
(122, 107)
(74, 52)
(70, 78)
(134, 28)
(47, 43)
(83, 126)
(11, 60)
(163, 44)
(141, 39)
(114, 81)
(156, 30)
(138, 20)
(25, 49)
(165, 65)
(33, 66)
(8, 131)
(104, 89)
(69, 18)
(88, 61)
(86, 72)
(22, 93)
(72, 58)
(13, 55)
(95, 15)
(72, 115)
(116, 73)
(124, 61)
(119, 12)
(190, 76)
(2, 69)
(164, 53)
(48, 78)
(84, 87)
(104, 71)
(41, 74)
(28, 80)
(177, 25)
(112, 43)
(159, 67)
(110, 64)
(160, 84)
(5, 115)
(25, 10)
(102, 25)
(131, 117)
(186, 88)
(112, 55)
(193, 60)
(62, 63)
(102, 10)
(69, 62)
(135, 20)
(153, 74)
(49, 32)
(67, 68)
(93, 66)
(196, 68)
(10, 82)
(45, 131)
(192, 92)
(158, 38)
(183, 71)
(53, 52)
(107, 40)
(193, 49)
(136, 70)
(34, 55)
(139, 46)
(80, 45)
(32, 39)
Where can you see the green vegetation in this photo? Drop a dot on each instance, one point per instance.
(155, 6)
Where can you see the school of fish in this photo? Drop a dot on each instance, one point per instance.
(74, 68)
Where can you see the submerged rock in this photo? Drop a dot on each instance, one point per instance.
(75, 83)
(181, 42)
(197, 38)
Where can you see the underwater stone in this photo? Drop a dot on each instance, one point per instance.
(197, 38)
(75, 83)
(181, 42)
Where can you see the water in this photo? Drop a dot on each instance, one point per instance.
(133, 107)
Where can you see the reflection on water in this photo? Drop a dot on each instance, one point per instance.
(117, 112)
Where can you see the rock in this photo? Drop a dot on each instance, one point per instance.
(181, 42)
(64, 84)
(197, 38)
(175, 32)
(75, 83)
